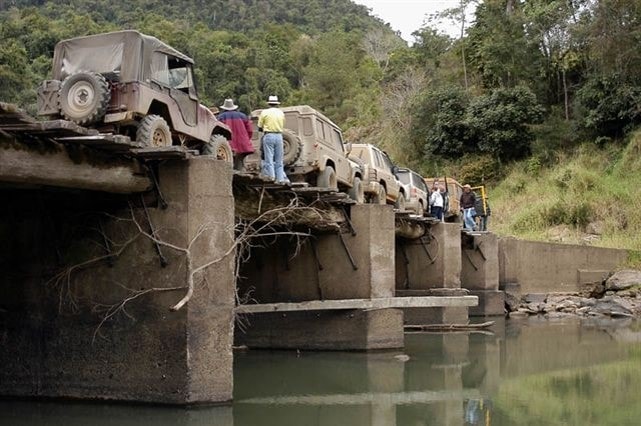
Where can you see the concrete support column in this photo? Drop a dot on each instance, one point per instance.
(431, 268)
(321, 270)
(480, 272)
(105, 330)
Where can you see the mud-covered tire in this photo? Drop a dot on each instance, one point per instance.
(153, 131)
(400, 202)
(327, 178)
(420, 211)
(292, 147)
(356, 192)
(219, 146)
(381, 196)
(84, 97)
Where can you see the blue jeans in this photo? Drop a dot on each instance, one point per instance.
(273, 153)
(468, 218)
(437, 212)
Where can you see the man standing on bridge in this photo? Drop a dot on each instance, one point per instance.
(467, 202)
(241, 131)
(271, 122)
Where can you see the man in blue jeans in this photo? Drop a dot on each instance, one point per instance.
(271, 122)
(467, 206)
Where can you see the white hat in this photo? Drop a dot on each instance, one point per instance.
(273, 100)
(228, 105)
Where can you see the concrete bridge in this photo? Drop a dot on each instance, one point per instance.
(129, 273)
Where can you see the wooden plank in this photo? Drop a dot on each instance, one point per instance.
(107, 142)
(166, 152)
(379, 303)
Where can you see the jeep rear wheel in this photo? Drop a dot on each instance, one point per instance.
(84, 97)
(219, 146)
(292, 147)
(356, 192)
(153, 130)
(327, 179)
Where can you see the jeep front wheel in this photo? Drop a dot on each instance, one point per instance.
(400, 202)
(154, 131)
(219, 146)
(84, 97)
(327, 179)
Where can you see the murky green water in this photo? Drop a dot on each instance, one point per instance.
(530, 372)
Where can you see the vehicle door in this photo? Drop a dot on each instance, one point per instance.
(176, 78)
(421, 188)
(384, 166)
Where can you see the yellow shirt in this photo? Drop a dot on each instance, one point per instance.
(272, 120)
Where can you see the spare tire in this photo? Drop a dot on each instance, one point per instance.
(84, 97)
(292, 147)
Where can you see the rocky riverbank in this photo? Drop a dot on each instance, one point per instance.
(618, 296)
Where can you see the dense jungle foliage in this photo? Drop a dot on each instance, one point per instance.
(526, 84)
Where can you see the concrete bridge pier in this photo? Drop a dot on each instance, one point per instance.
(480, 272)
(431, 266)
(85, 303)
(320, 269)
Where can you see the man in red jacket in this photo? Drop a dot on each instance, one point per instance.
(241, 132)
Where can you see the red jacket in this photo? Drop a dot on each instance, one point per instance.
(241, 131)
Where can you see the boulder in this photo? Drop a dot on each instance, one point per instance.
(595, 228)
(623, 280)
(535, 298)
(614, 306)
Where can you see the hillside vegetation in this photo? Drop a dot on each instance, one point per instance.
(592, 195)
(536, 97)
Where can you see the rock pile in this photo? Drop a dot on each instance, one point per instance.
(618, 296)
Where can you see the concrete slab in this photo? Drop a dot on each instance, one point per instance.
(491, 303)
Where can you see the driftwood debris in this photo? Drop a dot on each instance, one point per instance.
(448, 327)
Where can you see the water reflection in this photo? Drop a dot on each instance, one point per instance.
(522, 372)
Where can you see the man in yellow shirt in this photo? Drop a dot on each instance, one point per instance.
(271, 122)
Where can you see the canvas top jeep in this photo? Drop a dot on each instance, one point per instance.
(313, 152)
(128, 83)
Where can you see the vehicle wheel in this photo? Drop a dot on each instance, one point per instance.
(84, 97)
(381, 197)
(327, 178)
(219, 146)
(292, 147)
(420, 211)
(400, 202)
(154, 131)
(356, 192)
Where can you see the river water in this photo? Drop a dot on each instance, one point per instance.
(521, 372)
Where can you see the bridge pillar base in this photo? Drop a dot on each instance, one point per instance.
(102, 329)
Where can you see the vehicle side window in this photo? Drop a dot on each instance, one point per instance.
(388, 163)
(173, 73)
(291, 121)
(338, 140)
(378, 160)
(419, 182)
(308, 128)
(160, 68)
(320, 132)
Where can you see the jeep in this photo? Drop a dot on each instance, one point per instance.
(132, 84)
(313, 152)
(381, 185)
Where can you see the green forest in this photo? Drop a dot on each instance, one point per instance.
(527, 87)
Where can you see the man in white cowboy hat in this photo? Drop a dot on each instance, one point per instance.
(467, 202)
(241, 131)
(271, 122)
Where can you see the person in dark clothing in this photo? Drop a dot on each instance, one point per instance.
(483, 211)
(241, 132)
(467, 202)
